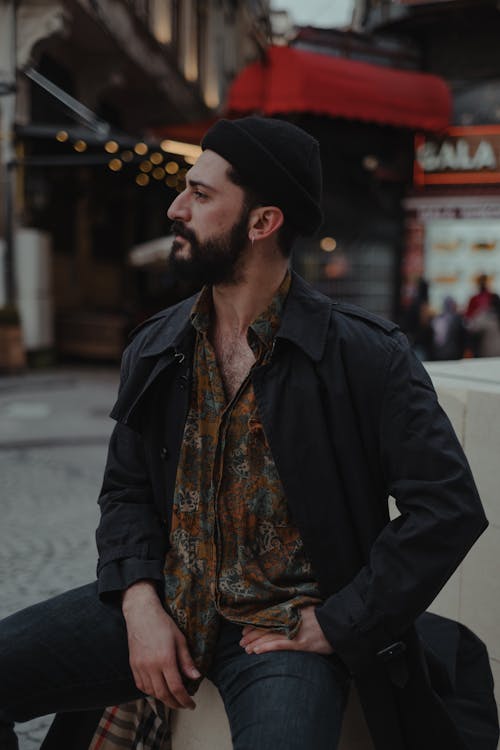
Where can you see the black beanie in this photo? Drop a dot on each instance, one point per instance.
(278, 160)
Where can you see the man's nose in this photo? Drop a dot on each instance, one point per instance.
(179, 208)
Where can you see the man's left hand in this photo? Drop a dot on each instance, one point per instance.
(309, 637)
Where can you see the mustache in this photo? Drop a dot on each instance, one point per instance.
(178, 228)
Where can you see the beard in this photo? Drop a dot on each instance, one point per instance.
(218, 260)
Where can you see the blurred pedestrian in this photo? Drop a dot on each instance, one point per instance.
(478, 303)
(416, 321)
(481, 300)
(448, 332)
(485, 326)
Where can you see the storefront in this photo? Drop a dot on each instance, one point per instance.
(453, 214)
(364, 116)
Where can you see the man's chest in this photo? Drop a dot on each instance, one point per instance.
(235, 359)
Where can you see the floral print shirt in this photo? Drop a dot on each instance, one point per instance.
(235, 552)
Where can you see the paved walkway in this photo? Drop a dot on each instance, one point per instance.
(53, 434)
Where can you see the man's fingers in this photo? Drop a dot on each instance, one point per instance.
(186, 663)
(177, 689)
(162, 692)
(252, 635)
(270, 642)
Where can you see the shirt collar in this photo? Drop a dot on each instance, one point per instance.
(264, 326)
(201, 311)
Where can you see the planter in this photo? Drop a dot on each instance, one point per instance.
(12, 354)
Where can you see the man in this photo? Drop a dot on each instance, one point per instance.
(245, 532)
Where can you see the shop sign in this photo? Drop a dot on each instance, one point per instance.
(469, 155)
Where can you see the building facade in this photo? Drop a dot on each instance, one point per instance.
(452, 205)
(83, 84)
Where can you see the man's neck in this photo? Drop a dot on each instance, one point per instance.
(237, 305)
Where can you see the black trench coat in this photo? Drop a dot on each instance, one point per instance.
(351, 417)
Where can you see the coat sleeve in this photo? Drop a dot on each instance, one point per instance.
(440, 518)
(131, 538)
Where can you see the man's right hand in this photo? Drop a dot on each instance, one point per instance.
(158, 651)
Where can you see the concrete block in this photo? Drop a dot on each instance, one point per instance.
(205, 727)
(454, 403)
(482, 441)
(480, 591)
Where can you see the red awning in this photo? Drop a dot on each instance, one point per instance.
(295, 80)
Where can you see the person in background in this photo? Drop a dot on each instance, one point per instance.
(480, 301)
(416, 321)
(448, 332)
(477, 304)
(485, 326)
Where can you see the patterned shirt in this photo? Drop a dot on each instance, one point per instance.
(235, 551)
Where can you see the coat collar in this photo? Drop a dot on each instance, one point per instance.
(167, 330)
(306, 318)
(305, 321)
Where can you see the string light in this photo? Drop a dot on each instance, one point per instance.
(80, 146)
(142, 180)
(127, 155)
(62, 136)
(328, 244)
(171, 167)
(115, 165)
(158, 173)
(140, 149)
(156, 157)
(171, 181)
(370, 162)
(145, 166)
(111, 147)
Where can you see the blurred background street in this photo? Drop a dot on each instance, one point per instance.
(53, 435)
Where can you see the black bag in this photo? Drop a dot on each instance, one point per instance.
(460, 673)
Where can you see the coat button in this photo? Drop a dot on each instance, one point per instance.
(164, 453)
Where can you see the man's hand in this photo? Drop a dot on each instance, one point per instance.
(158, 651)
(310, 637)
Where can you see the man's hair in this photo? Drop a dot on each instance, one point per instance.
(287, 234)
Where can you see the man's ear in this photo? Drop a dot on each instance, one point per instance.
(264, 221)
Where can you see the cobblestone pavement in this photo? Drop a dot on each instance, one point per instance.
(53, 434)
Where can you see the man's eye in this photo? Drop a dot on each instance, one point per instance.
(198, 194)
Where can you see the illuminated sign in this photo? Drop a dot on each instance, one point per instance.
(468, 155)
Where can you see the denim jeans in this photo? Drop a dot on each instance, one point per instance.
(283, 700)
(70, 654)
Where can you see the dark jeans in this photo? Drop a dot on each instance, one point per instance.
(283, 700)
(70, 654)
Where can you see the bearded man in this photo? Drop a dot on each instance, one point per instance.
(245, 533)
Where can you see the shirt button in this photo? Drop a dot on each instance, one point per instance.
(164, 453)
